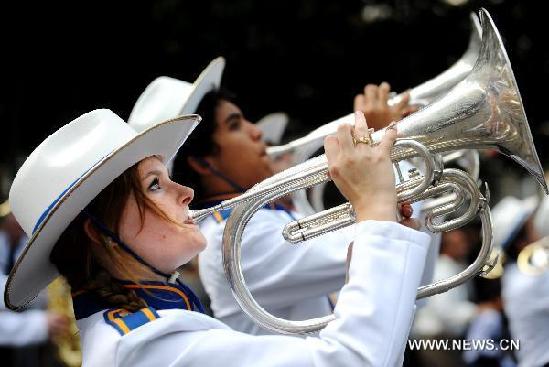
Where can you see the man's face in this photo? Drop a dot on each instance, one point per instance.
(242, 153)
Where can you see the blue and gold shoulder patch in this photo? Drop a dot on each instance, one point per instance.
(124, 321)
(221, 215)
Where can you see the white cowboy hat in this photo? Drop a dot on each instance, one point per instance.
(63, 175)
(508, 217)
(272, 126)
(166, 98)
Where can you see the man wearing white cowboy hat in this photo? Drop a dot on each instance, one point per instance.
(111, 220)
(517, 223)
(167, 97)
(285, 286)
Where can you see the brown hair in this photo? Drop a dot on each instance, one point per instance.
(73, 253)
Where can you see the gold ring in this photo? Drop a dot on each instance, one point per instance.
(366, 139)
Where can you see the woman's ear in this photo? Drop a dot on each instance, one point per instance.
(200, 164)
(91, 232)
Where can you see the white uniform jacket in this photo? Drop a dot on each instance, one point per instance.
(373, 318)
(526, 303)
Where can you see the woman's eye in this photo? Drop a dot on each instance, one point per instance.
(155, 185)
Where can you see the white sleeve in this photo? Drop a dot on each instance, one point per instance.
(18, 329)
(280, 274)
(373, 317)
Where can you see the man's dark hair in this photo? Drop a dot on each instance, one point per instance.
(200, 143)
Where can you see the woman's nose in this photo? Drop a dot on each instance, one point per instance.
(186, 195)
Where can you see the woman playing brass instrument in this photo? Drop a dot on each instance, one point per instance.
(110, 219)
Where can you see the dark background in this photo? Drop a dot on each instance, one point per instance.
(307, 58)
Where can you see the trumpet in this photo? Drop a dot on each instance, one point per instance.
(483, 111)
(533, 259)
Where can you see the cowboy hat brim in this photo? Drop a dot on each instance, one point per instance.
(33, 271)
(166, 98)
(208, 80)
(273, 126)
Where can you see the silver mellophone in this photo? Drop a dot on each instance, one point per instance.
(475, 104)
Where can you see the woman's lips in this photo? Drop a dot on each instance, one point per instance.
(189, 220)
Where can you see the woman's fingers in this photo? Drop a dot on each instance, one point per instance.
(361, 126)
(345, 138)
(388, 139)
(331, 147)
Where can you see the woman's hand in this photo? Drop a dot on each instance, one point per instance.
(363, 173)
